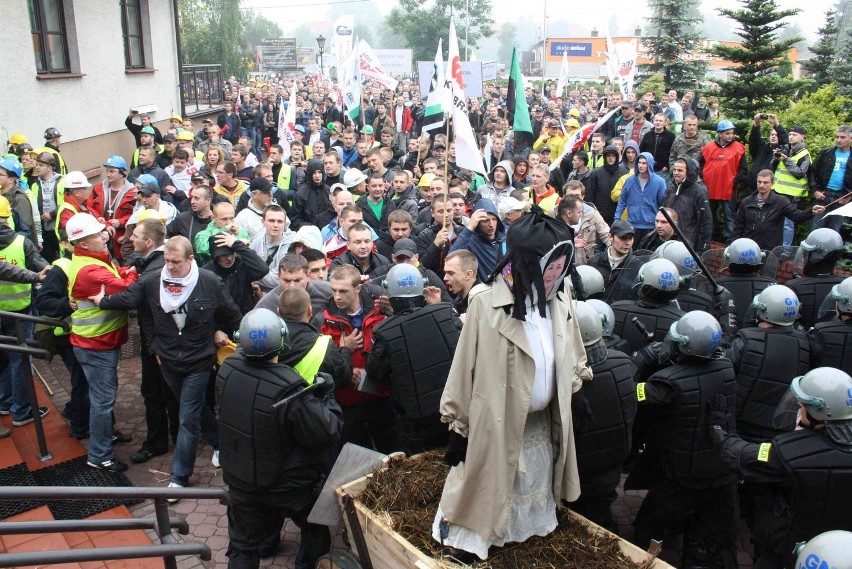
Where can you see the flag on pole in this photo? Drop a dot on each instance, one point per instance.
(467, 151)
(287, 124)
(516, 106)
(372, 68)
(621, 64)
(433, 115)
(488, 151)
(352, 85)
(580, 137)
(563, 75)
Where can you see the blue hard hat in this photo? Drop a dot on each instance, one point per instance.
(724, 124)
(116, 161)
(12, 166)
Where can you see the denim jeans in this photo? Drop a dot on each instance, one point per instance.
(101, 369)
(78, 407)
(834, 222)
(191, 392)
(789, 226)
(729, 211)
(14, 396)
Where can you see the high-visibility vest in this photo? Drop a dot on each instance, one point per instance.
(89, 321)
(134, 161)
(284, 174)
(58, 192)
(64, 206)
(309, 366)
(786, 183)
(14, 296)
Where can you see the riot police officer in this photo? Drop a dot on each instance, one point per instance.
(809, 470)
(698, 294)
(828, 549)
(690, 489)
(590, 282)
(831, 341)
(610, 338)
(744, 262)
(603, 442)
(413, 351)
(273, 448)
(766, 358)
(659, 283)
(816, 258)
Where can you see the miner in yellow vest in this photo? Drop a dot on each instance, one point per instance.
(791, 163)
(97, 335)
(51, 300)
(541, 193)
(15, 297)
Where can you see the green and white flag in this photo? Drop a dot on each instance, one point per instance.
(433, 117)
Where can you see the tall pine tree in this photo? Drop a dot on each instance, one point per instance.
(825, 51)
(841, 71)
(756, 84)
(676, 36)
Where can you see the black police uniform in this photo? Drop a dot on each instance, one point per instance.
(831, 342)
(743, 289)
(811, 291)
(692, 490)
(603, 442)
(657, 318)
(766, 360)
(413, 351)
(721, 305)
(810, 477)
(273, 460)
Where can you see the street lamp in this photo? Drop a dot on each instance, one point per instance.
(321, 46)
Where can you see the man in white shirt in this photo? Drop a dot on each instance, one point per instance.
(250, 219)
(180, 171)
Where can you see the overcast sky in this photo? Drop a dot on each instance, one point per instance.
(291, 13)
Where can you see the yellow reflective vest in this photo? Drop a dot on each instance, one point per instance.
(786, 183)
(14, 296)
(309, 366)
(89, 321)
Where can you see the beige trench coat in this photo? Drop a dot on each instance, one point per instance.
(487, 398)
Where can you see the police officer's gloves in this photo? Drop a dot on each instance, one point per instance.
(581, 411)
(325, 385)
(456, 449)
(717, 419)
(647, 360)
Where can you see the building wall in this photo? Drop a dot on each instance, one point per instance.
(90, 110)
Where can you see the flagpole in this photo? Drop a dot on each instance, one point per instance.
(446, 171)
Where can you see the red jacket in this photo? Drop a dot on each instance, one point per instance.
(121, 211)
(336, 325)
(88, 283)
(68, 214)
(721, 167)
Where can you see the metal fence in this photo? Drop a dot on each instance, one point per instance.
(202, 87)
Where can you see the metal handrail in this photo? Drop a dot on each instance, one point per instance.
(168, 549)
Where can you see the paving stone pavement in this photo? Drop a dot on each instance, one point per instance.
(207, 519)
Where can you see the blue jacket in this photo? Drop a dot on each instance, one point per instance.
(641, 205)
(487, 252)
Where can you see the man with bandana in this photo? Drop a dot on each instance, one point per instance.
(193, 314)
(519, 465)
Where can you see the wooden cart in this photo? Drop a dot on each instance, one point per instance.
(378, 546)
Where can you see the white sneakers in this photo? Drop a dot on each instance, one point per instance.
(215, 460)
(174, 485)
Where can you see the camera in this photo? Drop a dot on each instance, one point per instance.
(764, 116)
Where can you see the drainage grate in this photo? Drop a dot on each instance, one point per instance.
(75, 473)
(16, 475)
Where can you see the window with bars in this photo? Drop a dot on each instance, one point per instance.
(131, 25)
(50, 37)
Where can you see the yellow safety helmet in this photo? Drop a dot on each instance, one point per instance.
(5, 208)
(152, 214)
(574, 112)
(19, 138)
(572, 123)
(185, 135)
(177, 118)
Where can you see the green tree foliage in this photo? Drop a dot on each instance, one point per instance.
(841, 71)
(825, 51)
(212, 31)
(820, 113)
(678, 35)
(654, 83)
(756, 83)
(422, 22)
(506, 41)
(258, 28)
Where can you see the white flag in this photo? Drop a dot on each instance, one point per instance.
(563, 75)
(467, 151)
(287, 124)
(372, 68)
(621, 64)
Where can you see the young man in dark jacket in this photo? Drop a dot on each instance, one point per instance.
(237, 266)
(193, 314)
(762, 151)
(688, 197)
(311, 197)
(659, 143)
(761, 215)
(600, 183)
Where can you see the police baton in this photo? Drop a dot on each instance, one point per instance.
(318, 381)
(642, 329)
(716, 287)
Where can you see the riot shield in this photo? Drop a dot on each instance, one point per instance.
(714, 260)
(624, 285)
(788, 261)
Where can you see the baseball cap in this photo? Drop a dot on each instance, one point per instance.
(148, 184)
(626, 104)
(218, 250)
(463, 176)
(553, 123)
(622, 228)
(404, 248)
(797, 128)
(147, 130)
(200, 176)
(300, 128)
(260, 185)
(169, 138)
(439, 145)
(544, 149)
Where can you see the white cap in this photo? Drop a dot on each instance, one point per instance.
(76, 179)
(352, 177)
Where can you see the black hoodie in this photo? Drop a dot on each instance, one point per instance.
(689, 200)
(311, 199)
(600, 183)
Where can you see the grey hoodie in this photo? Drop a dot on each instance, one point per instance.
(488, 191)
